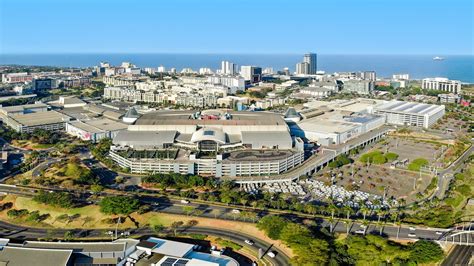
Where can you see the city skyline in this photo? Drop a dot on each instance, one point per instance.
(230, 27)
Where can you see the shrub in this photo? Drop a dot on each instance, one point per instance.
(416, 164)
(17, 213)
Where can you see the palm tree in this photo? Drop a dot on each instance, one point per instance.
(348, 226)
(348, 211)
(332, 209)
(330, 220)
(311, 209)
(366, 226)
(364, 210)
(381, 213)
(399, 224)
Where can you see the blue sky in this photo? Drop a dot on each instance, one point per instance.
(238, 26)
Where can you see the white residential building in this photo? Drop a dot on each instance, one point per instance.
(228, 68)
(442, 84)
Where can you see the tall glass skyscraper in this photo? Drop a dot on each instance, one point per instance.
(312, 60)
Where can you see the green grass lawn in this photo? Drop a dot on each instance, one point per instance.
(228, 243)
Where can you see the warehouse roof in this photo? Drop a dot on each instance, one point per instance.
(41, 118)
(19, 256)
(144, 138)
(409, 107)
(79, 246)
(18, 108)
(326, 126)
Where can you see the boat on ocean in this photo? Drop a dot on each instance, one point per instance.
(437, 58)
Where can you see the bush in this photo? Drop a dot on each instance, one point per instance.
(228, 243)
(17, 213)
(369, 157)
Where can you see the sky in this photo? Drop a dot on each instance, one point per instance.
(237, 26)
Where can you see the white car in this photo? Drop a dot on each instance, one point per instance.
(249, 242)
(411, 235)
(271, 254)
(412, 228)
(235, 211)
(439, 232)
(360, 232)
(183, 201)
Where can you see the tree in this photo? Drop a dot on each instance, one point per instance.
(175, 226)
(188, 210)
(119, 205)
(158, 228)
(68, 236)
(97, 188)
(192, 223)
(424, 251)
(59, 199)
(272, 225)
(391, 156)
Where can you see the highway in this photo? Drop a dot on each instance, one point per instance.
(461, 255)
(174, 206)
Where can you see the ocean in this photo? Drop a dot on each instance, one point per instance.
(458, 67)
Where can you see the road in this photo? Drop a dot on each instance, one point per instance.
(447, 174)
(174, 206)
(239, 238)
(461, 255)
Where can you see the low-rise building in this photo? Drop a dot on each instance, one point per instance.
(94, 130)
(410, 113)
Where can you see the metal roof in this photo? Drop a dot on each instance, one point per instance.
(142, 139)
(20, 256)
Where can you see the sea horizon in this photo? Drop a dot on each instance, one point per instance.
(457, 67)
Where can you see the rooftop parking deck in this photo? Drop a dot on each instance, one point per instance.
(259, 155)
